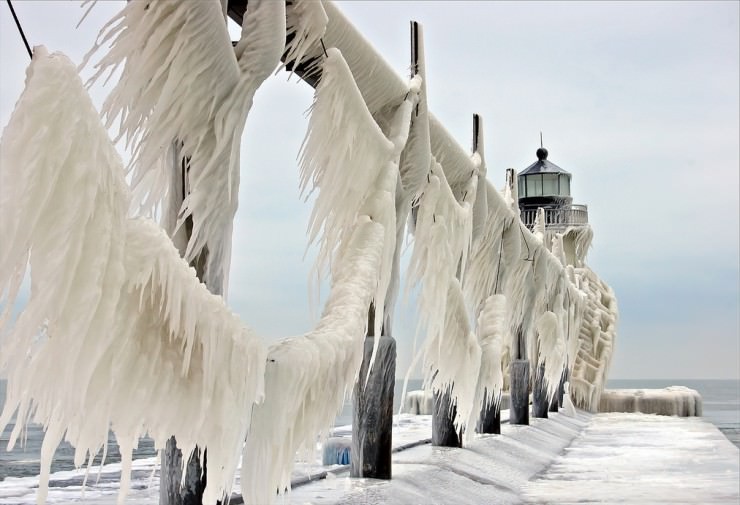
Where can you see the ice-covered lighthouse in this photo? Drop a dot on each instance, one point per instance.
(545, 185)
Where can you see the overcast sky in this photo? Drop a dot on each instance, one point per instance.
(638, 100)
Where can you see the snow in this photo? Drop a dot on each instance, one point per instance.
(604, 458)
(639, 459)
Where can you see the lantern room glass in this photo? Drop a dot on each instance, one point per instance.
(550, 185)
(564, 185)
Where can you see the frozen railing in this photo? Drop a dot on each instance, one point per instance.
(558, 218)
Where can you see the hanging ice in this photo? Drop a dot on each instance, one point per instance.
(354, 166)
(181, 82)
(133, 340)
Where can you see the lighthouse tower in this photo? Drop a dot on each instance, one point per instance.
(545, 185)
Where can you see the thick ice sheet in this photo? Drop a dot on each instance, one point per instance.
(641, 459)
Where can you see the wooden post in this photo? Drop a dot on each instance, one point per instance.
(372, 415)
(489, 420)
(561, 388)
(554, 403)
(490, 416)
(443, 429)
(540, 403)
(173, 490)
(519, 406)
(372, 420)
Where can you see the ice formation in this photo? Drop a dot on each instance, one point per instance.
(596, 334)
(524, 270)
(671, 401)
(306, 24)
(491, 336)
(118, 304)
(182, 83)
(354, 166)
(132, 340)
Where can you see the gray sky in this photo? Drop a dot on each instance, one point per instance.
(639, 100)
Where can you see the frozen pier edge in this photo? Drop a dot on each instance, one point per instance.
(602, 458)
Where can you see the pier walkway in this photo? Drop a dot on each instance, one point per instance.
(602, 458)
(636, 459)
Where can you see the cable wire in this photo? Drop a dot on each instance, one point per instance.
(20, 29)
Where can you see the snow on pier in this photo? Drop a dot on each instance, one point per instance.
(589, 458)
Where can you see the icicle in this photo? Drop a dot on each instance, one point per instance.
(133, 340)
(492, 339)
(552, 351)
(306, 24)
(354, 166)
(344, 168)
(182, 82)
(308, 377)
(538, 229)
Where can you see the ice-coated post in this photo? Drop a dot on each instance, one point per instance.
(561, 388)
(557, 398)
(372, 419)
(519, 406)
(540, 403)
(554, 403)
(444, 433)
(490, 416)
(173, 489)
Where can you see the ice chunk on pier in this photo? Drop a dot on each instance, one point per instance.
(671, 401)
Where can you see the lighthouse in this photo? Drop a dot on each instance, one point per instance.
(545, 185)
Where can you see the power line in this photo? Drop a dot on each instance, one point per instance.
(20, 29)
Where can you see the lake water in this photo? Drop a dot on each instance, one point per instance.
(720, 398)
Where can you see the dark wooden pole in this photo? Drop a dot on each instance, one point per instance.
(372, 419)
(519, 371)
(490, 416)
(540, 402)
(173, 490)
(519, 405)
(561, 388)
(443, 429)
(554, 403)
(489, 420)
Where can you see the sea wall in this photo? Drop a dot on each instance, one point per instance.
(671, 401)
